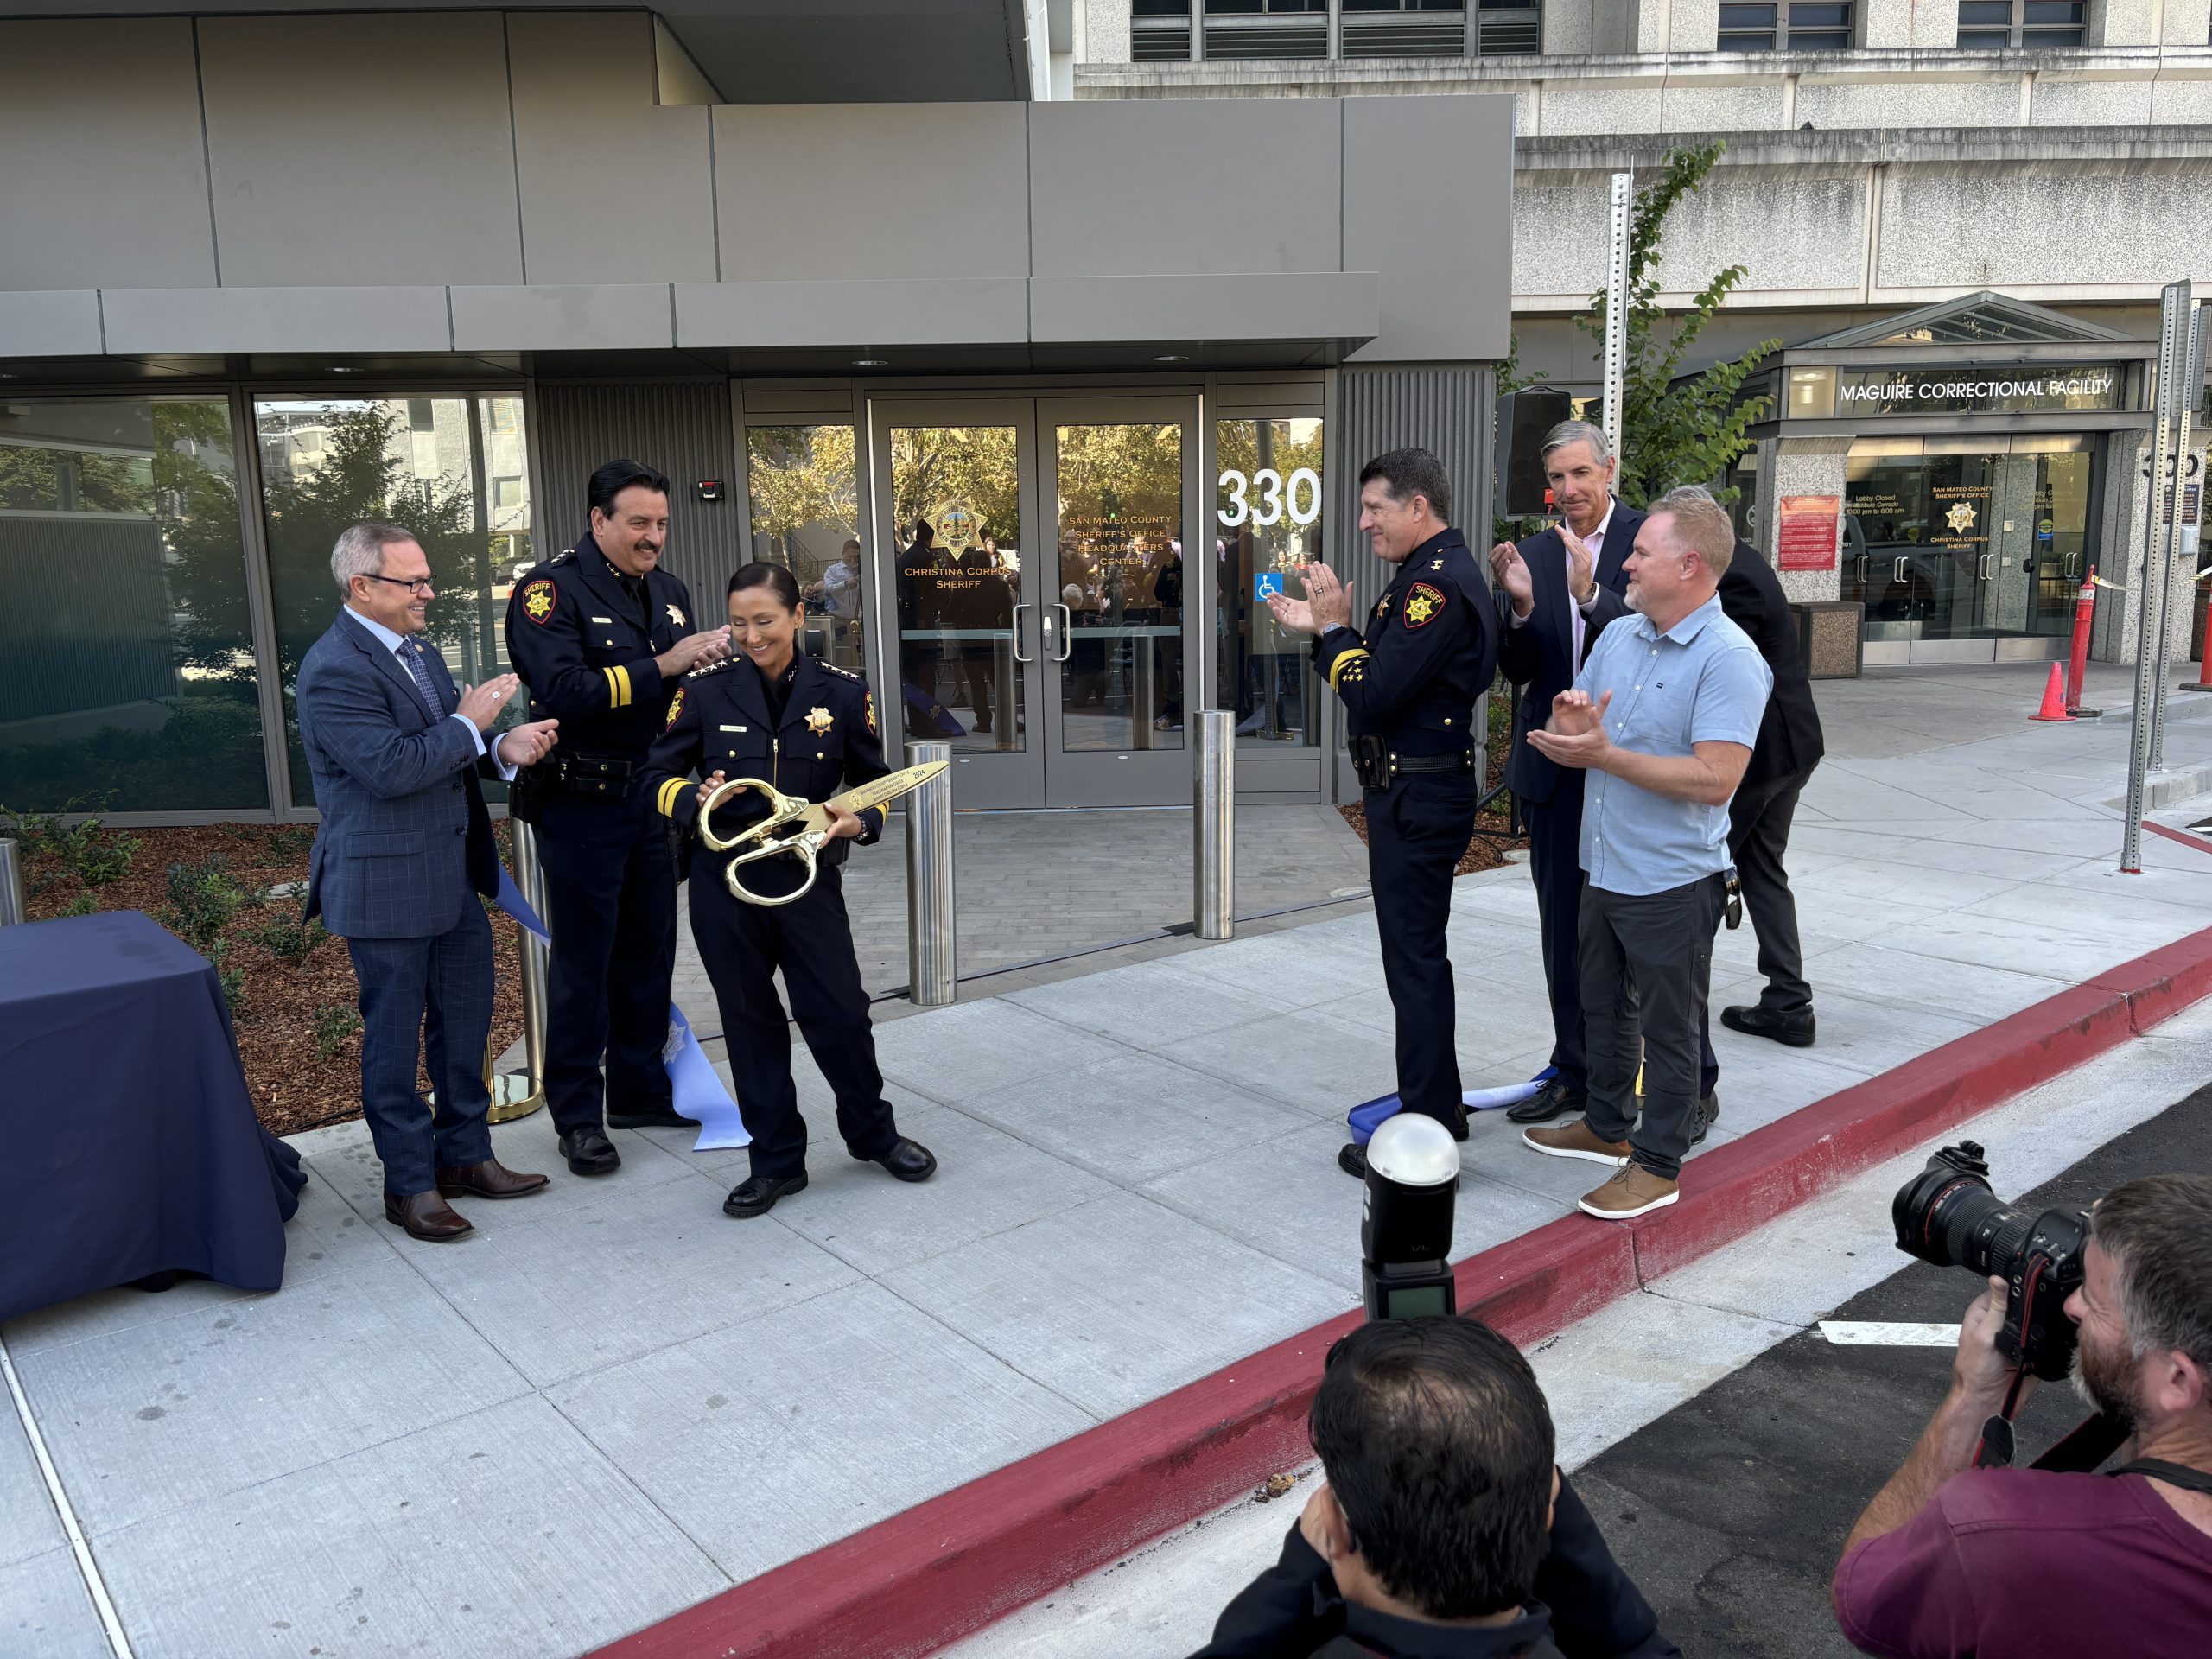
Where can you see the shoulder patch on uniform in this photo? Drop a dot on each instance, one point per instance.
(675, 709)
(867, 709)
(537, 600)
(562, 556)
(1423, 604)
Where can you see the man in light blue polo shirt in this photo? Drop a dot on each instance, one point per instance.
(1662, 717)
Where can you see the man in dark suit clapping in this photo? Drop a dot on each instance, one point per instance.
(1791, 744)
(404, 848)
(1564, 586)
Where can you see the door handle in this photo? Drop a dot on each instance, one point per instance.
(1898, 570)
(1984, 572)
(1862, 569)
(1018, 655)
(1067, 633)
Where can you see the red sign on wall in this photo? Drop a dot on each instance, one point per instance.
(1807, 534)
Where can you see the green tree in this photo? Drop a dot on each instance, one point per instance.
(1675, 429)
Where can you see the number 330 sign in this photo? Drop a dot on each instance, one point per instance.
(1300, 496)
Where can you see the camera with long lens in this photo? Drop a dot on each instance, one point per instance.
(1948, 1215)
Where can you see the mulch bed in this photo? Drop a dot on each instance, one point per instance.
(294, 1012)
(1484, 852)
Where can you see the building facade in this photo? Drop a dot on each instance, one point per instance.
(1037, 396)
(1956, 216)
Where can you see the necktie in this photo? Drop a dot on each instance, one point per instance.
(411, 654)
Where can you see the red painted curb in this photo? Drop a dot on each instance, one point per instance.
(949, 1566)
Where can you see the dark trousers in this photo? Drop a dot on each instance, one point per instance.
(1647, 965)
(1555, 865)
(610, 901)
(976, 668)
(1417, 830)
(1758, 836)
(431, 994)
(812, 940)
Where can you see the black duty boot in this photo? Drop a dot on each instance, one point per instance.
(1791, 1026)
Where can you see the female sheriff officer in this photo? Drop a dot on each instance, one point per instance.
(774, 713)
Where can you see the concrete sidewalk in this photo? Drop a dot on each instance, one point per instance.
(615, 1402)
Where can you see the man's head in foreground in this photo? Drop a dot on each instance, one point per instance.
(2145, 1307)
(1438, 1446)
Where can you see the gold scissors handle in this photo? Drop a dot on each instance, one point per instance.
(794, 825)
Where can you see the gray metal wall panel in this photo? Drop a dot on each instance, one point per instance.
(682, 428)
(367, 148)
(1433, 211)
(1166, 185)
(872, 190)
(106, 184)
(919, 311)
(1307, 305)
(587, 131)
(1444, 411)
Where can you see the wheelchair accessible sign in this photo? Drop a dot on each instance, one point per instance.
(1265, 583)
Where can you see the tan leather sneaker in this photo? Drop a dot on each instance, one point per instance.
(1634, 1191)
(1575, 1140)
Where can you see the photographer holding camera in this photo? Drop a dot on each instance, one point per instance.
(1951, 1559)
(1446, 1527)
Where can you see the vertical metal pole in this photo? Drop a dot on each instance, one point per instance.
(932, 965)
(510, 1101)
(2171, 398)
(1213, 862)
(14, 907)
(2169, 538)
(1617, 303)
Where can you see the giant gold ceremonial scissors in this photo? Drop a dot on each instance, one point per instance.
(795, 825)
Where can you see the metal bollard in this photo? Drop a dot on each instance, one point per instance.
(932, 966)
(14, 907)
(1213, 862)
(513, 1097)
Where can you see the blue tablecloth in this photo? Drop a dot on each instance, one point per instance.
(128, 1146)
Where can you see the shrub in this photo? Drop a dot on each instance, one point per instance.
(202, 900)
(333, 1025)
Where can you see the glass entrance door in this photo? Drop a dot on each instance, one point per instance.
(1038, 593)
(1966, 548)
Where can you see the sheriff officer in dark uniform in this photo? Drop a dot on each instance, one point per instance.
(807, 729)
(1409, 685)
(600, 634)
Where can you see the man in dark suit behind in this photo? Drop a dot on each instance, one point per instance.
(1789, 746)
(1564, 586)
(404, 848)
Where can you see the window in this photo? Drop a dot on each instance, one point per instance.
(1267, 529)
(128, 682)
(1790, 26)
(416, 461)
(805, 491)
(2027, 24)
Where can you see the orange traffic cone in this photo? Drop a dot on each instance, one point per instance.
(2054, 698)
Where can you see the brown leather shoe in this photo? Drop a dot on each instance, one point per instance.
(425, 1215)
(1634, 1191)
(1575, 1140)
(489, 1180)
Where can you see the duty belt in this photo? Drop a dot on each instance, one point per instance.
(600, 776)
(1378, 766)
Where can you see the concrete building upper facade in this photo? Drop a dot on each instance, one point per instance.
(1883, 156)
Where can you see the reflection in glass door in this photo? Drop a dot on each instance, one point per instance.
(1058, 679)
(961, 597)
(1118, 574)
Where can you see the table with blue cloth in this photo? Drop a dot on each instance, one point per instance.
(132, 1151)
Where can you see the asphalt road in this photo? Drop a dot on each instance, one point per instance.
(1729, 1511)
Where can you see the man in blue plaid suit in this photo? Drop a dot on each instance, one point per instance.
(404, 848)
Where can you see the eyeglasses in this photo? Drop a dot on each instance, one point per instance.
(418, 585)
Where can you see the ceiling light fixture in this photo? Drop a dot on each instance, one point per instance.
(1171, 357)
(871, 363)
